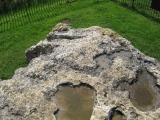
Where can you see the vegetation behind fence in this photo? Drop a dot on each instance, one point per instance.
(14, 13)
(148, 7)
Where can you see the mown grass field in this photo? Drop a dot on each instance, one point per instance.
(143, 6)
(141, 31)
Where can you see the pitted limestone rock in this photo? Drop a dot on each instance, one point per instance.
(95, 56)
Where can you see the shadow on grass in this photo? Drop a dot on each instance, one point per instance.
(137, 11)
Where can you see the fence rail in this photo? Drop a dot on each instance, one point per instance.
(20, 12)
(149, 7)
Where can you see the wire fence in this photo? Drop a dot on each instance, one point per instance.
(14, 13)
(148, 7)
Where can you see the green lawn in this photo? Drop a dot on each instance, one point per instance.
(141, 31)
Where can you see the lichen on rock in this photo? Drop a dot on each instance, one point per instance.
(125, 81)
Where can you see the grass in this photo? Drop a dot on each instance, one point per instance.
(143, 6)
(32, 14)
(141, 31)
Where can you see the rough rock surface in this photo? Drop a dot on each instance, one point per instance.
(125, 80)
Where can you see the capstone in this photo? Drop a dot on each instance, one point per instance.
(95, 56)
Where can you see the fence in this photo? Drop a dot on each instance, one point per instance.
(20, 12)
(14, 13)
(148, 7)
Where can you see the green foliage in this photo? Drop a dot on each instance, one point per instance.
(141, 31)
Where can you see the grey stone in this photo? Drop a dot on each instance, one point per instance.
(95, 56)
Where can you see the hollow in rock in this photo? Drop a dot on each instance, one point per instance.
(74, 103)
(144, 94)
(143, 97)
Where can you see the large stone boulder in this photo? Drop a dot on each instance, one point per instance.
(125, 81)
